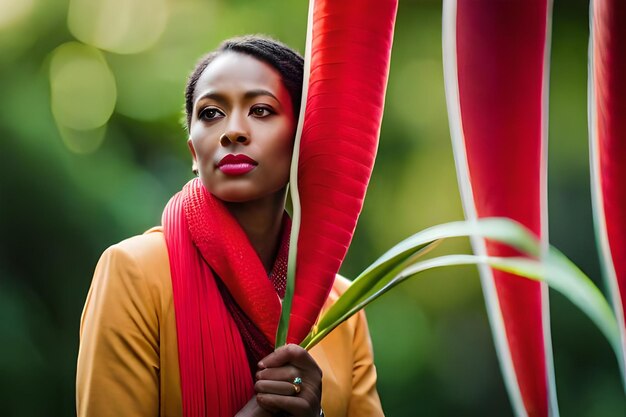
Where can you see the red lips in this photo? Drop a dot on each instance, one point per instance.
(236, 164)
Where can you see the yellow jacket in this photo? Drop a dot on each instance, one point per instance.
(128, 356)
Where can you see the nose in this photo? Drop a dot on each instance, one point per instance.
(233, 137)
(236, 132)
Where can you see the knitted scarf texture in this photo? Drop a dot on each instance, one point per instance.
(226, 306)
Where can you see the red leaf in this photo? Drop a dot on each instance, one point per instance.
(607, 108)
(349, 52)
(496, 82)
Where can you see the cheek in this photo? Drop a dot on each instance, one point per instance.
(280, 155)
(284, 154)
(277, 143)
(286, 144)
(285, 165)
(203, 146)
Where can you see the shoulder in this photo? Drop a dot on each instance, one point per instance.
(133, 274)
(143, 256)
(340, 286)
(352, 330)
(348, 327)
(143, 249)
(130, 285)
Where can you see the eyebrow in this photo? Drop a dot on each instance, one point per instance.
(219, 97)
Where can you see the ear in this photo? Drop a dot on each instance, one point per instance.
(194, 166)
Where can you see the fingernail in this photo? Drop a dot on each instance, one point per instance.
(261, 365)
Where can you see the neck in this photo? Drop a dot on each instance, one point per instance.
(261, 220)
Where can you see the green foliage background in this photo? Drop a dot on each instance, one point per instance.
(59, 208)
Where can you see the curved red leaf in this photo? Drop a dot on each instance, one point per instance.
(349, 62)
(607, 106)
(496, 81)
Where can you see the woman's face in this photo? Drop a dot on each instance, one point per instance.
(242, 129)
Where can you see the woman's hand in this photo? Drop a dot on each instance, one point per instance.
(252, 409)
(278, 390)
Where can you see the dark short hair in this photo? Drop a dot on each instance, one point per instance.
(288, 63)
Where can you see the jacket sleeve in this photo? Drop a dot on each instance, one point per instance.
(118, 359)
(364, 400)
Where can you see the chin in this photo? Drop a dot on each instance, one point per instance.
(232, 193)
(234, 197)
(240, 196)
(243, 191)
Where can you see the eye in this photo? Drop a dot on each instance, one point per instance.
(261, 111)
(210, 113)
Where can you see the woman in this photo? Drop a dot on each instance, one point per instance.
(173, 323)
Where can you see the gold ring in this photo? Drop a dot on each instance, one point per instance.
(296, 389)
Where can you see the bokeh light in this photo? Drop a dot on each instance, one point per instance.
(151, 83)
(83, 94)
(82, 141)
(121, 26)
(14, 11)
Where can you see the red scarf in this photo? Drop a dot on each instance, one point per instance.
(226, 308)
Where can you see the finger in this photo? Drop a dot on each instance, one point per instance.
(253, 409)
(292, 354)
(291, 405)
(284, 373)
(277, 387)
(267, 406)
